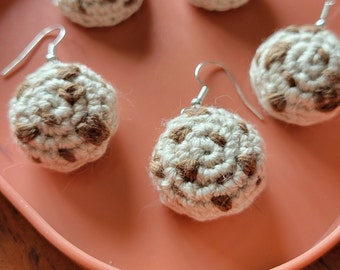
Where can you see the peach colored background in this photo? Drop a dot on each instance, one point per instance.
(107, 214)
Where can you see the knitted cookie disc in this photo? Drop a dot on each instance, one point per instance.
(296, 75)
(63, 116)
(218, 5)
(208, 163)
(98, 13)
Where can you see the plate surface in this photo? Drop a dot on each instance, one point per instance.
(107, 215)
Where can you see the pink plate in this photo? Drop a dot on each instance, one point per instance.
(107, 214)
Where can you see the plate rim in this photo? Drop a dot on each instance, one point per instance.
(322, 246)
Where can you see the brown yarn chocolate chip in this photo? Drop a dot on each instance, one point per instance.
(324, 56)
(276, 53)
(218, 139)
(72, 93)
(177, 191)
(289, 78)
(179, 134)
(21, 89)
(67, 154)
(332, 76)
(156, 166)
(222, 202)
(259, 180)
(68, 73)
(36, 159)
(194, 111)
(26, 132)
(80, 6)
(308, 28)
(311, 28)
(129, 3)
(277, 101)
(292, 29)
(257, 58)
(247, 164)
(326, 99)
(243, 127)
(93, 129)
(188, 169)
(49, 119)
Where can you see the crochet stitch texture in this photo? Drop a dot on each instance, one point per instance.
(63, 116)
(98, 13)
(295, 74)
(208, 163)
(218, 5)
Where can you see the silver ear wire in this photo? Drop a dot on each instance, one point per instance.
(324, 13)
(204, 90)
(50, 56)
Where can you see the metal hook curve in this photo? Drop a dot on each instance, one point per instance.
(204, 90)
(50, 51)
(324, 13)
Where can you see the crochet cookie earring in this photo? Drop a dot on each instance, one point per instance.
(295, 73)
(218, 5)
(208, 162)
(63, 115)
(98, 13)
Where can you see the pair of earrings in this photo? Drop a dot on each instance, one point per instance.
(207, 164)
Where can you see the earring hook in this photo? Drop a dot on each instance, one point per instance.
(50, 56)
(324, 13)
(204, 90)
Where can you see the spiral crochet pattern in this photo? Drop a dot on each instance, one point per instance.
(218, 5)
(63, 116)
(208, 163)
(295, 74)
(98, 13)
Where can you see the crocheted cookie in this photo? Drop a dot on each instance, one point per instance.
(208, 163)
(218, 5)
(97, 13)
(63, 116)
(295, 74)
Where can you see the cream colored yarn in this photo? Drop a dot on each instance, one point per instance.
(63, 116)
(98, 13)
(296, 75)
(208, 163)
(218, 5)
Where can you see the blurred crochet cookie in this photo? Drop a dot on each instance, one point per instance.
(98, 13)
(296, 75)
(208, 163)
(63, 116)
(218, 5)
